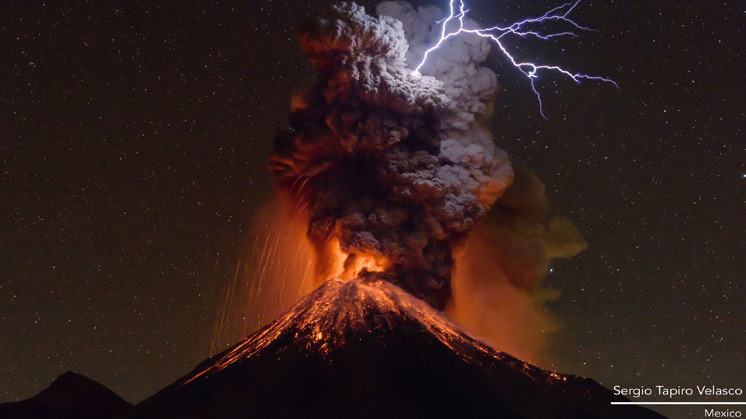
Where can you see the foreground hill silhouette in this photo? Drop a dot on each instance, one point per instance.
(70, 396)
(367, 349)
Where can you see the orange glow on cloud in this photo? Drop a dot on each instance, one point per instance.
(490, 308)
(345, 266)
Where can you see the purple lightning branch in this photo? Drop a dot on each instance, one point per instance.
(496, 34)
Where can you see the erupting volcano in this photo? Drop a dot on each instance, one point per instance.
(385, 172)
(390, 167)
(388, 170)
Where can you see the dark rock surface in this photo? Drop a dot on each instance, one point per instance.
(70, 396)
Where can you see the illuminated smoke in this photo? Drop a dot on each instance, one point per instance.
(497, 284)
(393, 166)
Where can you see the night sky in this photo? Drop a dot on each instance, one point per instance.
(134, 141)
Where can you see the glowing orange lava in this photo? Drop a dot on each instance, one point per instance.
(348, 266)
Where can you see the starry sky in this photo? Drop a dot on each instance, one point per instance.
(134, 139)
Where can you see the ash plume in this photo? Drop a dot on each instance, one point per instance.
(389, 164)
(497, 291)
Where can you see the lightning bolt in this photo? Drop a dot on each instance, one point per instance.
(497, 33)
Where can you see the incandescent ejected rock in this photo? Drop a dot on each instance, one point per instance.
(389, 164)
(367, 349)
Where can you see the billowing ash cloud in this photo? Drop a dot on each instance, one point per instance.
(391, 164)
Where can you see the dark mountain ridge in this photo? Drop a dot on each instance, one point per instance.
(70, 396)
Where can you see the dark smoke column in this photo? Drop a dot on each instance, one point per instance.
(390, 165)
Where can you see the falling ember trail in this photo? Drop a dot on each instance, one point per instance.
(277, 269)
(497, 33)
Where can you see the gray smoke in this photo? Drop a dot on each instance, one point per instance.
(389, 163)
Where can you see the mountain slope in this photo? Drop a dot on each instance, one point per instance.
(368, 349)
(71, 395)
